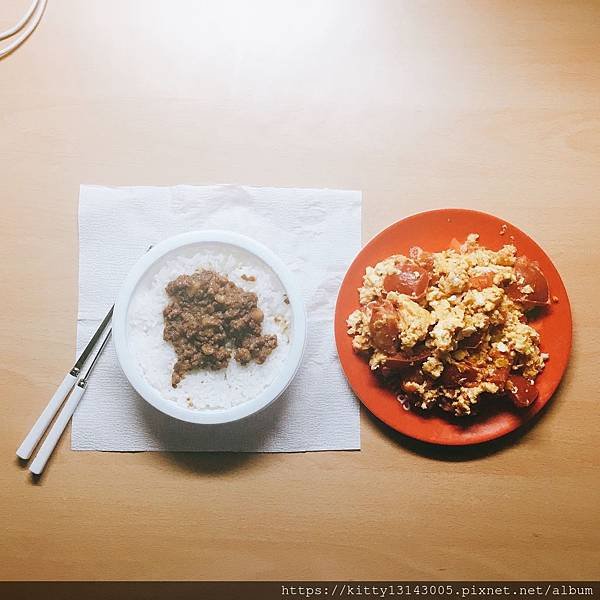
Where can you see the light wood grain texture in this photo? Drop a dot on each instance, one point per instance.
(491, 105)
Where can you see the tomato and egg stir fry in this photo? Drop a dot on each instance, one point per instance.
(450, 328)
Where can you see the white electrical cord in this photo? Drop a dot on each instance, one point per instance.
(10, 32)
(27, 24)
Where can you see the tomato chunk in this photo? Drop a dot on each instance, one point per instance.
(407, 358)
(521, 391)
(421, 257)
(529, 275)
(411, 280)
(459, 375)
(498, 375)
(412, 375)
(383, 327)
(480, 282)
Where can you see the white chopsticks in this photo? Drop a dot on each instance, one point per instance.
(31, 440)
(70, 381)
(41, 458)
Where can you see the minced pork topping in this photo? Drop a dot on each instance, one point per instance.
(209, 319)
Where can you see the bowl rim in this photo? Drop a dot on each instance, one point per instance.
(129, 364)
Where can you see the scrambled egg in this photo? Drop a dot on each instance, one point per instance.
(413, 320)
(463, 320)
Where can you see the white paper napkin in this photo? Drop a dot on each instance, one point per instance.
(315, 232)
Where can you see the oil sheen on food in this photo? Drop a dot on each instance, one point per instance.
(451, 328)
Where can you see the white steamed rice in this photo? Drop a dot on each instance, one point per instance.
(203, 389)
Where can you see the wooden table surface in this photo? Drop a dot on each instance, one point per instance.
(491, 105)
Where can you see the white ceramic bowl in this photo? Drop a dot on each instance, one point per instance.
(148, 264)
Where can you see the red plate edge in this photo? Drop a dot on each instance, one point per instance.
(433, 230)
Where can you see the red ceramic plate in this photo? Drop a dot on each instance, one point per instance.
(433, 231)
